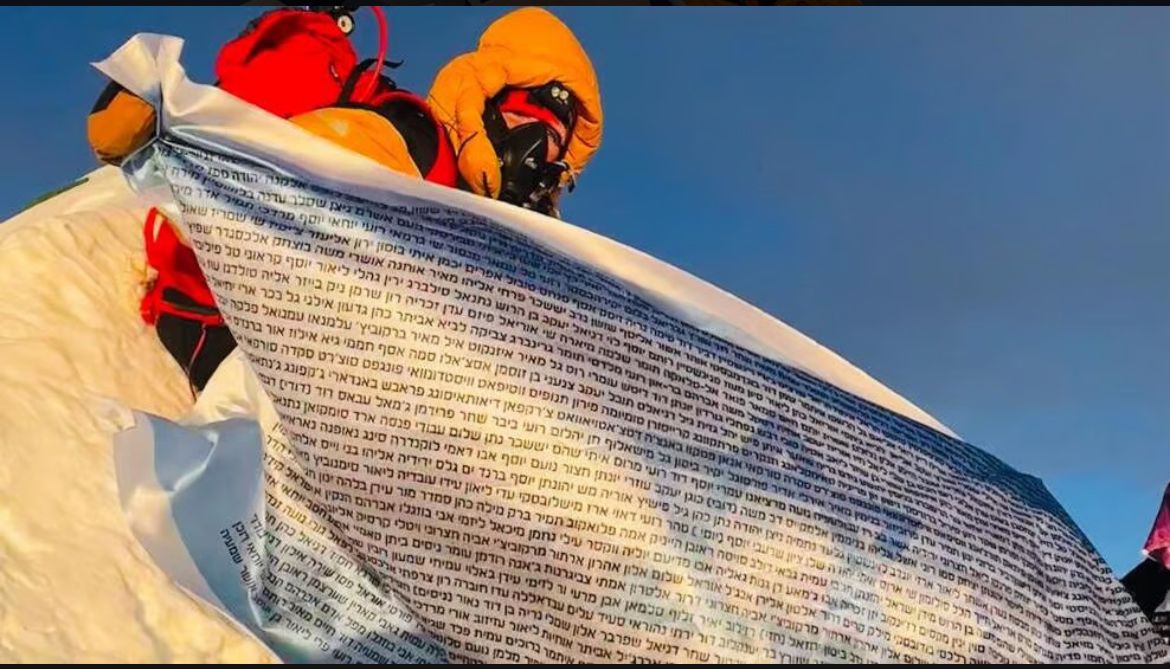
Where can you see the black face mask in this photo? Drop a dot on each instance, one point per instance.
(527, 178)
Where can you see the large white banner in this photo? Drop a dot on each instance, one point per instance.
(459, 431)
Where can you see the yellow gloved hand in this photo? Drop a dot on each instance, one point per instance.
(119, 124)
(526, 48)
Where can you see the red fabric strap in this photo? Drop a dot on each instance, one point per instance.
(178, 270)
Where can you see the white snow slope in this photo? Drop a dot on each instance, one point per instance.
(75, 586)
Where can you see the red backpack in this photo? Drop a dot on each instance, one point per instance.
(293, 61)
(289, 62)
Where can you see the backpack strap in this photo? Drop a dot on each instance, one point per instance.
(426, 138)
(362, 73)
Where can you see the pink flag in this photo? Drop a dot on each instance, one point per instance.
(1158, 545)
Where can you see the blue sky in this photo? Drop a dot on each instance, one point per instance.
(969, 203)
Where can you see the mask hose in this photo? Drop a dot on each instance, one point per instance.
(383, 45)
